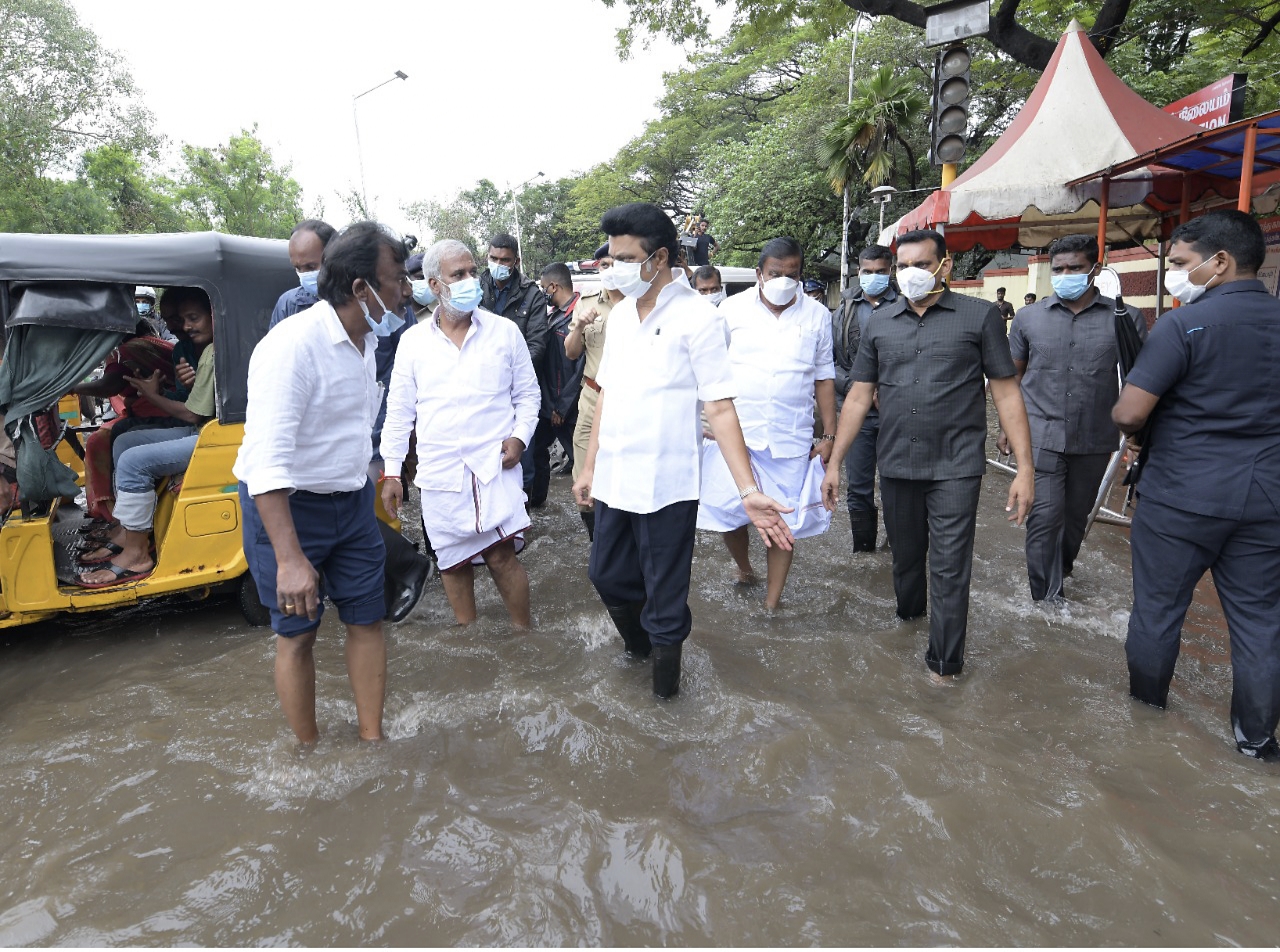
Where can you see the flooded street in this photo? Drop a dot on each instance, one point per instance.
(808, 785)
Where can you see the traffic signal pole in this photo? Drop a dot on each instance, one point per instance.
(948, 173)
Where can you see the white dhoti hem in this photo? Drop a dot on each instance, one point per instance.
(463, 525)
(794, 481)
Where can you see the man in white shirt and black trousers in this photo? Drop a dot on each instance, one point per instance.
(665, 354)
(308, 502)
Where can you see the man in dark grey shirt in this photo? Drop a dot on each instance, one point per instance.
(927, 353)
(1064, 347)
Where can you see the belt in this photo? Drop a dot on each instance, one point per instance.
(591, 383)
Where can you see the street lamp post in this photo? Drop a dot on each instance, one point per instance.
(882, 195)
(515, 203)
(364, 194)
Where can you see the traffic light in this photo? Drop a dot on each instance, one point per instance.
(950, 104)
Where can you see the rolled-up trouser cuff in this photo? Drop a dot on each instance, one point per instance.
(135, 511)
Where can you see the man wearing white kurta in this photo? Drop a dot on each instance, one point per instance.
(665, 352)
(465, 377)
(780, 350)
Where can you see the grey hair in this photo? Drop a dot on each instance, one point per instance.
(436, 254)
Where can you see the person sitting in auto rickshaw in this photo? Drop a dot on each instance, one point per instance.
(125, 554)
(141, 356)
(8, 473)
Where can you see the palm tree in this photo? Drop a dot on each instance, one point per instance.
(866, 137)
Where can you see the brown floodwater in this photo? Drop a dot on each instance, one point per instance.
(808, 785)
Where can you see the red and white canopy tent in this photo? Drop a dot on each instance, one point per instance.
(1079, 118)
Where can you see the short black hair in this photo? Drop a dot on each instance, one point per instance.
(558, 273)
(503, 240)
(706, 273)
(354, 254)
(645, 222)
(1086, 245)
(321, 229)
(176, 297)
(1000, 290)
(1235, 232)
(1030, 294)
(875, 253)
(925, 234)
(779, 248)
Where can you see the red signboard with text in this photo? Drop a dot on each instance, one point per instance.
(1215, 105)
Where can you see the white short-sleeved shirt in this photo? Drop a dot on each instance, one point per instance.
(654, 375)
(312, 401)
(775, 363)
(466, 400)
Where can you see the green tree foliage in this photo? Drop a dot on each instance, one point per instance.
(770, 185)
(239, 189)
(872, 136)
(61, 92)
(139, 202)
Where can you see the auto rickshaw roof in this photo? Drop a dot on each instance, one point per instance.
(242, 276)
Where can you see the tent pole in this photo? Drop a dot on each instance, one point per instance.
(1184, 210)
(1163, 247)
(1103, 201)
(1246, 168)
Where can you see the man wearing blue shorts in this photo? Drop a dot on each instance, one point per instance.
(309, 524)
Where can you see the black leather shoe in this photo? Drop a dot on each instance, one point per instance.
(666, 670)
(407, 596)
(626, 618)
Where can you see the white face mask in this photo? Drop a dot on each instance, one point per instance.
(716, 297)
(627, 279)
(917, 283)
(608, 280)
(1178, 283)
(780, 291)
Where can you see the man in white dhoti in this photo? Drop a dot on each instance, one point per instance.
(466, 378)
(780, 350)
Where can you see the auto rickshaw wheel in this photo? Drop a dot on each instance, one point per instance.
(255, 613)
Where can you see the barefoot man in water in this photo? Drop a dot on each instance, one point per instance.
(308, 503)
(465, 377)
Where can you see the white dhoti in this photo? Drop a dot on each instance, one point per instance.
(794, 481)
(465, 524)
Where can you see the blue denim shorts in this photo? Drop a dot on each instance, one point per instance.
(339, 535)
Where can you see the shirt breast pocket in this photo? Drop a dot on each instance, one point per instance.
(1100, 356)
(895, 367)
(492, 375)
(951, 364)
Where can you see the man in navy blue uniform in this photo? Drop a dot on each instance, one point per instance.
(1210, 489)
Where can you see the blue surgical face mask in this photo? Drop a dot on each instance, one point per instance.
(390, 323)
(423, 294)
(144, 309)
(464, 296)
(874, 284)
(500, 272)
(310, 281)
(1070, 287)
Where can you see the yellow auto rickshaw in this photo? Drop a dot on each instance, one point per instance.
(66, 302)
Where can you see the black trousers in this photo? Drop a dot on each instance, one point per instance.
(1066, 487)
(546, 434)
(1172, 549)
(647, 558)
(933, 520)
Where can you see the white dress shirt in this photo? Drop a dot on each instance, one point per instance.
(467, 400)
(652, 376)
(312, 402)
(775, 363)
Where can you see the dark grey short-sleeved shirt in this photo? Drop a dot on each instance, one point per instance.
(1070, 384)
(929, 370)
(1216, 430)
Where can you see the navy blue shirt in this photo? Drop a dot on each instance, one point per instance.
(1215, 365)
(290, 303)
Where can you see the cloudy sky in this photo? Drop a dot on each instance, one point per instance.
(499, 89)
